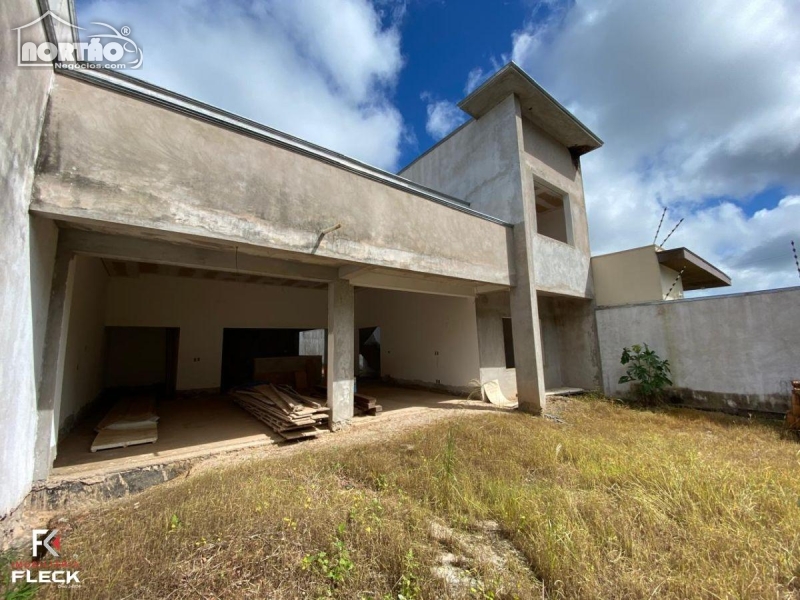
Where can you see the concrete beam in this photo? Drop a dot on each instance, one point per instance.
(341, 360)
(55, 343)
(351, 272)
(388, 281)
(127, 248)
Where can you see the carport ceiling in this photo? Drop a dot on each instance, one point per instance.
(120, 268)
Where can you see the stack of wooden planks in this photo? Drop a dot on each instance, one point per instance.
(284, 410)
(367, 405)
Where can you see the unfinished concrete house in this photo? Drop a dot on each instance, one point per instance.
(152, 241)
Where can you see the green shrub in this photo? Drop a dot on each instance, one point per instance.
(648, 371)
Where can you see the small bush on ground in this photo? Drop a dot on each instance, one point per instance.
(647, 371)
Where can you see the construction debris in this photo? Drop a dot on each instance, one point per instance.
(495, 395)
(367, 405)
(793, 416)
(130, 421)
(284, 410)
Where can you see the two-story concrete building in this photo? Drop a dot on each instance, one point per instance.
(142, 230)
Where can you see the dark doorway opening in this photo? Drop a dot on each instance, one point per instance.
(508, 343)
(241, 347)
(369, 352)
(141, 358)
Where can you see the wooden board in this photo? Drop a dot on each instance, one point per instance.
(135, 412)
(283, 369)
(122, 438)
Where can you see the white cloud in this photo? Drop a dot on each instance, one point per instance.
(443, 117)
(696, 101)
(475, 77)
(318, 69)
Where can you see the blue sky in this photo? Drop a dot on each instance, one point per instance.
(696, 101)
(442, 43)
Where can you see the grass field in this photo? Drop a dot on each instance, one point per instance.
(613, 503)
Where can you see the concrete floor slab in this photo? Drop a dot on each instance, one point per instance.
(189, 428)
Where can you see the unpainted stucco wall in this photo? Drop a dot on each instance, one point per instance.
(84, 354)
(135, 164)
(551, 343)
(736, 352)
(490, 310)
(23, 95)
(569, 342)
(561, 268)
(425, 338)
(202, 308)
(478, 163)
(627, 277)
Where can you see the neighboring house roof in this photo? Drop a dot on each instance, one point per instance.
(537, 105)
(697, 274)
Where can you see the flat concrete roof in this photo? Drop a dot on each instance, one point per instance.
(537, 105)
(698, 273)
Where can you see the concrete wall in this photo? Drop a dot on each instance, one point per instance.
(478, 163)
(424, 338)
(490, 310)
(727, 352)
(484, 162)
(561, 268)
(628, 277)
(202, 309)
(84, 356)
(23, 95)
(137, 165)
(569, 342)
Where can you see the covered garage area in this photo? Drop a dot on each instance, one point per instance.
(171, 321)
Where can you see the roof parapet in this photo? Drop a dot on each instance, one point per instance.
(537, 105)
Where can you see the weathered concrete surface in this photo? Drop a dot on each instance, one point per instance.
(496, 162)
(341, 357)
(63, 494)
(479, 162)
(131, 162)
(528, 356)
(560, 268)
(23, 95)
(573, 345)
(736, 352)
(490, 310)
(484, 161)
(53, 355)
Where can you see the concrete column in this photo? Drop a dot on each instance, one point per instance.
(55, 343)
(525, 325)
(341, 342)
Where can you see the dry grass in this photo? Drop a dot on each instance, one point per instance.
(616, 503)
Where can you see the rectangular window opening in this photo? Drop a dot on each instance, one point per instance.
(553, 217)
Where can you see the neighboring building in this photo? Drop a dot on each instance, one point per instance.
(145, 234)
(650, 274)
